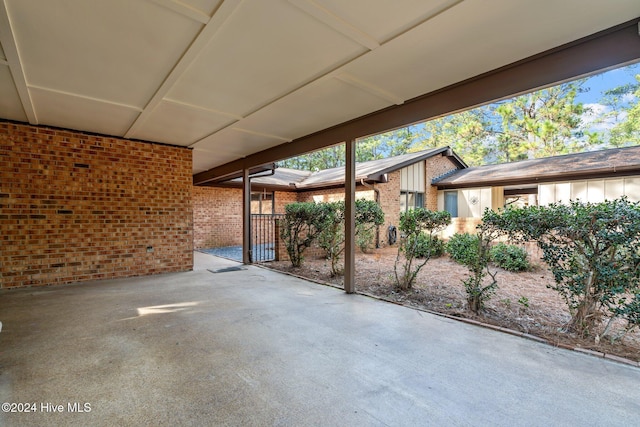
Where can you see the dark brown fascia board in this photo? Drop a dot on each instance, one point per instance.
(444, 151)
(609, 172)
(254, 186)
(233, 175)
(333, 186)
(604, 50)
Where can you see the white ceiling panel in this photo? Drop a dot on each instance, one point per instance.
(205, 6)
(118, 50)
(10, 106)
(237, 141)
(264, 51)
(325, 103)
(202, 159)
(234, 77)
(67, 111)
(383, 19)
(433, 56)
(179, 124)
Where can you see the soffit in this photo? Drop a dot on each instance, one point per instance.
(230, 78)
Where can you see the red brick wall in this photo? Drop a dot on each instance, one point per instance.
(436, 166)
(390, 204)
(76, 207)
(217, 215)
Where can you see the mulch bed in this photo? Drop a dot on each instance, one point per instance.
(522, 302)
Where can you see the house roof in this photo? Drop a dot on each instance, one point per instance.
(593, 164)
(371, 171)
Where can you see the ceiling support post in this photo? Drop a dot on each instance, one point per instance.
(349, 216)
(246, 217)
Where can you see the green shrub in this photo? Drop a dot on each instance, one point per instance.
(472, 251)
(592, 251)
(463, 248)
(428, 246)
(413, 223)
(368, 215)
(302, 224)
(510, 257)
(365, 237)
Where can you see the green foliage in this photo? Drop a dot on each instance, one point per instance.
(474, 252)
(428, 246)
(524, 302)
(543, 123)
(368, 215)
(624, 111)
(510, 257)
(592, 251)
(331, 238)
(463, 248)
(414, 223)
(464, 132)
(365, 238)
(302, 224)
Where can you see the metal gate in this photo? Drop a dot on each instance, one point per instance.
(263, 236)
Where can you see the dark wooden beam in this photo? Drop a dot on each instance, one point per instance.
(247, 252)
(349, 217)
(610, 48)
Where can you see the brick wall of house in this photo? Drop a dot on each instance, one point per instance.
(76, 207)
(217, 215)
(436, 166)
(282, 199)
(390, 204)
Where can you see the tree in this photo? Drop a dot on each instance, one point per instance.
(539, 124)
(302, 224)
(593, 252)
(413, 223)
(466, 133)
(368, 215)
(627, 131)
(474, 252)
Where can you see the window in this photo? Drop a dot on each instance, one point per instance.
(411, 200)
(451, 203)
(262, 202)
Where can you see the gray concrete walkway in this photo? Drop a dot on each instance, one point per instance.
(254, 347)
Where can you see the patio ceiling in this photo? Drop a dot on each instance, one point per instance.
(233, 78)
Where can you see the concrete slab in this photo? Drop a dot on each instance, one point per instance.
(255, 347)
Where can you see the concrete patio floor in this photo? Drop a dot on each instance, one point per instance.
(255, 347)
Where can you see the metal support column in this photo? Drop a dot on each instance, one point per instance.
(246, 217)
(349, 217)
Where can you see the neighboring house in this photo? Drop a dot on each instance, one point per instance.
(436, 179)
(590, 177)
(396, 183)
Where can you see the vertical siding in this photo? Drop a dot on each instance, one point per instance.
(595, 191)
(632, 188)
(613, 189)
(579, 191)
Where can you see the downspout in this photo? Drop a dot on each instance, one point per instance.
(376, 197)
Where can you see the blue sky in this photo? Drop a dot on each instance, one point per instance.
(608, 80)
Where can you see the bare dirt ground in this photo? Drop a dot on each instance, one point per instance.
(522, 301)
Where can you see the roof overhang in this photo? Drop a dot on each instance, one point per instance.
(605, 172)
(607, 49)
